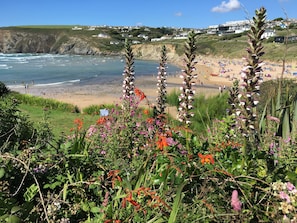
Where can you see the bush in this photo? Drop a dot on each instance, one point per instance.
(95, 109)
(3, 89)
(15, 129)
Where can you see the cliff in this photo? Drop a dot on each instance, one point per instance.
(63, 42)
(12, 41)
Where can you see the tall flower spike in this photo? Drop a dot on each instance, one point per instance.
(129, 78)
(186, 97)
(161, 84)
(251, 77)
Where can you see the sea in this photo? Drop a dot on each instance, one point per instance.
(19, 70)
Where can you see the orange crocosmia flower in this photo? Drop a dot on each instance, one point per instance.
(162, 142)
(79, 123)
(150, 120)
(101, 120)
(139, 94)
(208, 158)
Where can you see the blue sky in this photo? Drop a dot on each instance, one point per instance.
(153, 13)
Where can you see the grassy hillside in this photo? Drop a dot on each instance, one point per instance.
(228, 46)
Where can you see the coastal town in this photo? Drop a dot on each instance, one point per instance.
(141, 34)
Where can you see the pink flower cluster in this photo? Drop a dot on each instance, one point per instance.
(235, 202)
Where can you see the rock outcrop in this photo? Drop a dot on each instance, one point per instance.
(59, 42)
(12, 41)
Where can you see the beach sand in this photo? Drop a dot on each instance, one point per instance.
(213, 73)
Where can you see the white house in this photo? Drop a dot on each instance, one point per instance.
(76, 28)
(268, 33)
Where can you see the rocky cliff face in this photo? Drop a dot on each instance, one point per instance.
(25, 42)
(14, 41)
(153, 52)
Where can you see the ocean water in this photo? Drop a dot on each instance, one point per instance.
(17, 70)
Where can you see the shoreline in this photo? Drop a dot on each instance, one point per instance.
(213, 74)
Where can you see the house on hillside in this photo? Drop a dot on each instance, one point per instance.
(268, 33)
(229, 27)
(183, 35)
(76, 28)
(102, 35)
(213, 30)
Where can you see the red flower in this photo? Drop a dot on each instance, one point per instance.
(114, 176)
(162, 142)
(101, 120)
(79, 123)
(139, 94)
(208, 158)
(129, 198)
(150, 120)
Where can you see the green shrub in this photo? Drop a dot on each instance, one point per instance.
(95, 109)
(208, 109)
(45, 102)
(15, 129)
(172, 98)
(3, 89)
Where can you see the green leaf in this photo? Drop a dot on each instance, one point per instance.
(15, 209)
(30, 192)
(85, 207)
(286, 124)
(176, 204)
(2, 172)
(13, 219)
(95, 209)
(65, 191)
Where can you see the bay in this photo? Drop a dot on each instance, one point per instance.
(17, 70)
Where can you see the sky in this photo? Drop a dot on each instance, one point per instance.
(152, 13)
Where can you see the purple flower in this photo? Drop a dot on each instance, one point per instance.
(284, 196)
(290, 186)
(170, 141)
(91, 131)
(235, 202)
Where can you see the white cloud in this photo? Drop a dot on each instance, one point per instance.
(229, 6)
(178, 14)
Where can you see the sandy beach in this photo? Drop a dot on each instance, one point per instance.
(213, 73)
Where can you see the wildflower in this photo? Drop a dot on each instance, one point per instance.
(251, 78)
(129, 77)
(101, 120)
(208, 158)
(162, 142)
(290, 186)
(146, 112)
(129, 198)
(114, 176)
(284, 196)
(150, 120)
(79, 123)
(139, 94)
(186, 97)
(272, 118)
(105, 201)
(235, 202)
(91, 131)
(162, 77)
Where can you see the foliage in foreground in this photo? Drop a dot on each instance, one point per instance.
(132, 166)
